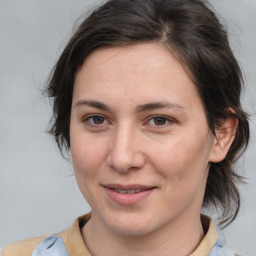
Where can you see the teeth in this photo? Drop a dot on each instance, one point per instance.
(126, 191)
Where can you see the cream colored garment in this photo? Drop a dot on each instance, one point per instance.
(75, 245)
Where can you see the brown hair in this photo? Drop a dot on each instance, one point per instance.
(190, 30)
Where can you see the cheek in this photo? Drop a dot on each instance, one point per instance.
(184, 172)
(87, 157)
(181, 159)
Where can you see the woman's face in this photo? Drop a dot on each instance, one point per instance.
(140, 142)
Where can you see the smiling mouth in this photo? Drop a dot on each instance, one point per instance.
(128, 194)
(127, 191)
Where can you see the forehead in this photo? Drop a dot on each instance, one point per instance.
(144, 71)
(139, 57)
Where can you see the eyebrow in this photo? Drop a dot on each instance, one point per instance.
(93, 104)
(158, 105)
(139, 109)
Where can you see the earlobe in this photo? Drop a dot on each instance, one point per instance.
(223, 139)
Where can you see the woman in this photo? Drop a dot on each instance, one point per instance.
(147, 100)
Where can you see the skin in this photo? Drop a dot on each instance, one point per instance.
(117, 138)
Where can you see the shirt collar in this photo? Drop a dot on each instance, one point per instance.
(75, 244)
(209, 240)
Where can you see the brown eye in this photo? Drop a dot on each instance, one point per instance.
(98, 119)
(160, 120)
(95, 120)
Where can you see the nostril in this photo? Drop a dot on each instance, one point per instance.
(125, 152)
(124, 162)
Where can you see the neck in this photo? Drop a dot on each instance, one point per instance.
(179, 238)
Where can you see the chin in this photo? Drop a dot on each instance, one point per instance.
(132, 230)
(132, 224)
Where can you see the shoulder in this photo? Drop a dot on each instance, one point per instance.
(222, 251)
(50, 245)
(69, 240)
(22, 248)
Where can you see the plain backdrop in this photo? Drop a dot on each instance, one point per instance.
(38, 193)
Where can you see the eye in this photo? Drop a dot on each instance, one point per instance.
(95, 120)
(160, 121)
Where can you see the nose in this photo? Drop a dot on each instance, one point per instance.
(126, 151)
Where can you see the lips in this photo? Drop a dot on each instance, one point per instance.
(128, 194)
(127, 191)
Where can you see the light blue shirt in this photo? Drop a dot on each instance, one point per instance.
(51, 246)
(219, 250)
(54, 246)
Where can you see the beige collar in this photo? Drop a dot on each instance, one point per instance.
(73, 239)
(209, 239)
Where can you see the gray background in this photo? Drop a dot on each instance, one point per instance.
(38, 193)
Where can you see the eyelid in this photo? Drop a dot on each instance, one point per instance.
(106, 122)
(87, 117)
(169, 120)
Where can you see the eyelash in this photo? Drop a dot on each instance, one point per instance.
(90, 121)
(93, 117)
(167, 121)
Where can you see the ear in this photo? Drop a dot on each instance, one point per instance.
(223, 139)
